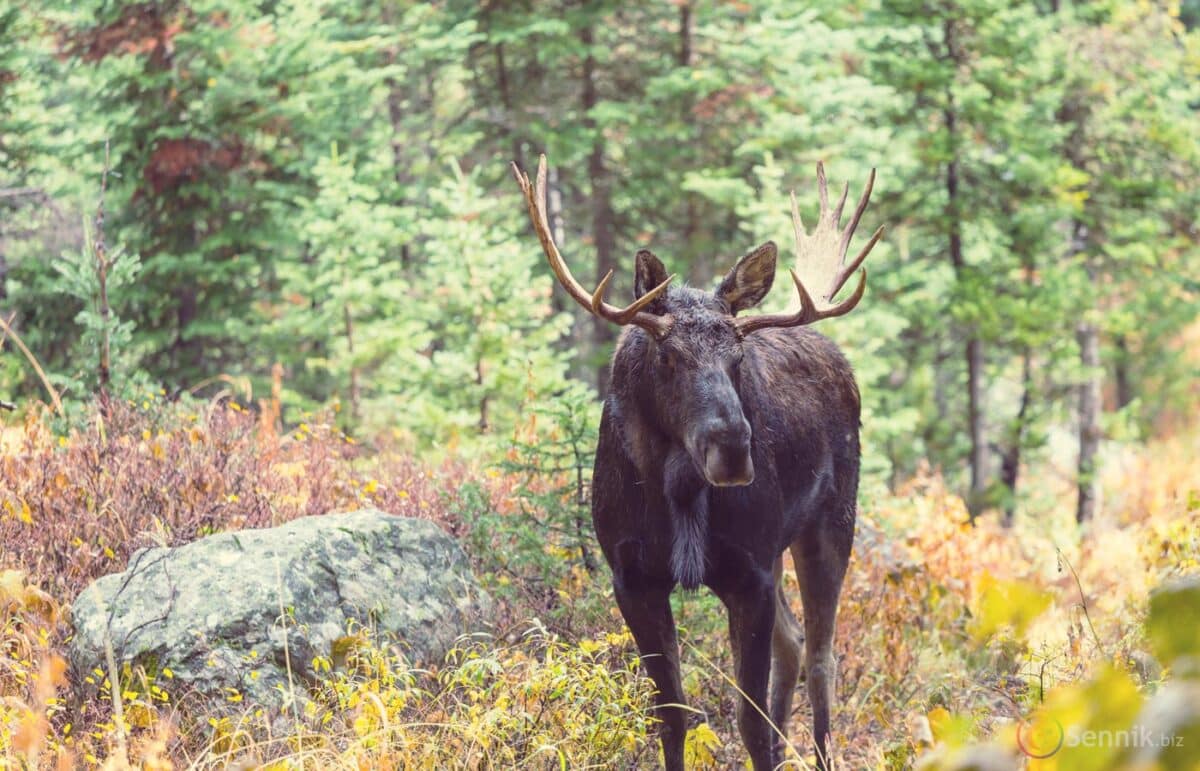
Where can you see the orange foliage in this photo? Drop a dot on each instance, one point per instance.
(141, 29)
(74, 508)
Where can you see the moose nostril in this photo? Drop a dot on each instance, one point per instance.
(726, 466)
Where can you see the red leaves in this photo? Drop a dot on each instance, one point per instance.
(176, 161)
(731, 101)
(74, 508)
(142, 29)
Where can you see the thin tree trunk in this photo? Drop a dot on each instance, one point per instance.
(1010, 462)
(484, 422)
(975, 416)
(601, 200)
(502, 85)
(973, 350)
(1088, 336)
(105, 312)
(102, 264)
(685, 34)
(1089, 422)
(185, 313)
(354, 385)
(700, 270)
(1125, 393)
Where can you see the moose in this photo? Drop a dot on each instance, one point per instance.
(726, 440)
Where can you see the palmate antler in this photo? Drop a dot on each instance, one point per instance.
(535, 199)
(821, 258)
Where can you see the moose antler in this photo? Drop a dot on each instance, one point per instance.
(535, 199)
(821, 256)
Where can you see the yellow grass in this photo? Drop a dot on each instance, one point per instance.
(949, 635)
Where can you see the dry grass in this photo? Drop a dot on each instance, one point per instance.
(947, 632)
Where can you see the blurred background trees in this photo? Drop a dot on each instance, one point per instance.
(322, 189)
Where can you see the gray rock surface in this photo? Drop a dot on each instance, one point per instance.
(227, 612)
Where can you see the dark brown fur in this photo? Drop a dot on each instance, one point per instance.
(661, 520)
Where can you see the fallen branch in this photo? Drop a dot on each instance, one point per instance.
(7, 405)
(9, 331)
(22, 192)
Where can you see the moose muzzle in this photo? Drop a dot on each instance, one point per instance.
(724, 455)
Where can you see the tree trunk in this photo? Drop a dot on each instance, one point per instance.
(1125, 393)
(1088, 498)
(484, 422)
(978, 426)
(355, 391)
(502, 85)
(701, 268)
(1010, 462)
(973, 350)
(685, 34)
(186, 308)
(602, 212)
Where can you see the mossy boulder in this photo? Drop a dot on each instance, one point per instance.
(223, 617)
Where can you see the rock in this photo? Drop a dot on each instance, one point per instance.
(225, 614)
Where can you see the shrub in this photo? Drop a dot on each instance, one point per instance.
(74, 507)
(530, 525)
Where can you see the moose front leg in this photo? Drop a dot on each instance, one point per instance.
(647, 612)
(751, 625)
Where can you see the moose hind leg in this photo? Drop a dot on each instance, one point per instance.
(821, 565)
(647, 611)
(787, 645)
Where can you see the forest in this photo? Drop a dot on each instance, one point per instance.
(266, 259)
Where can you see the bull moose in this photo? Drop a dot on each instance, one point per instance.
(726, 440)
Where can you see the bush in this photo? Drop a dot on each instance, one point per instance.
(74, 507)
(530, 527)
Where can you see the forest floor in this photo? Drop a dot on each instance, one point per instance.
(950, 633)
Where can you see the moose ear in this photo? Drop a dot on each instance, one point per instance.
(750, 280)
(649, 273)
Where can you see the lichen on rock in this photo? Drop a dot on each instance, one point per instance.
(227, 614)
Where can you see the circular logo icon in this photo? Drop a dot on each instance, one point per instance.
(1040, 738)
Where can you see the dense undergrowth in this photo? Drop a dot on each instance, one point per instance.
(952, 637)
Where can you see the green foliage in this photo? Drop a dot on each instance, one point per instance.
(487, 349)
(323, 188)
(102, 292)
(539, 539)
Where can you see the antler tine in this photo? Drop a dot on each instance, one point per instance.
(857, 261)
(634, 313)
(863, 200)
(821, 256)
(808, 312)
(797, 222)
(822, 189)
(837, 210)
(838, 270)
